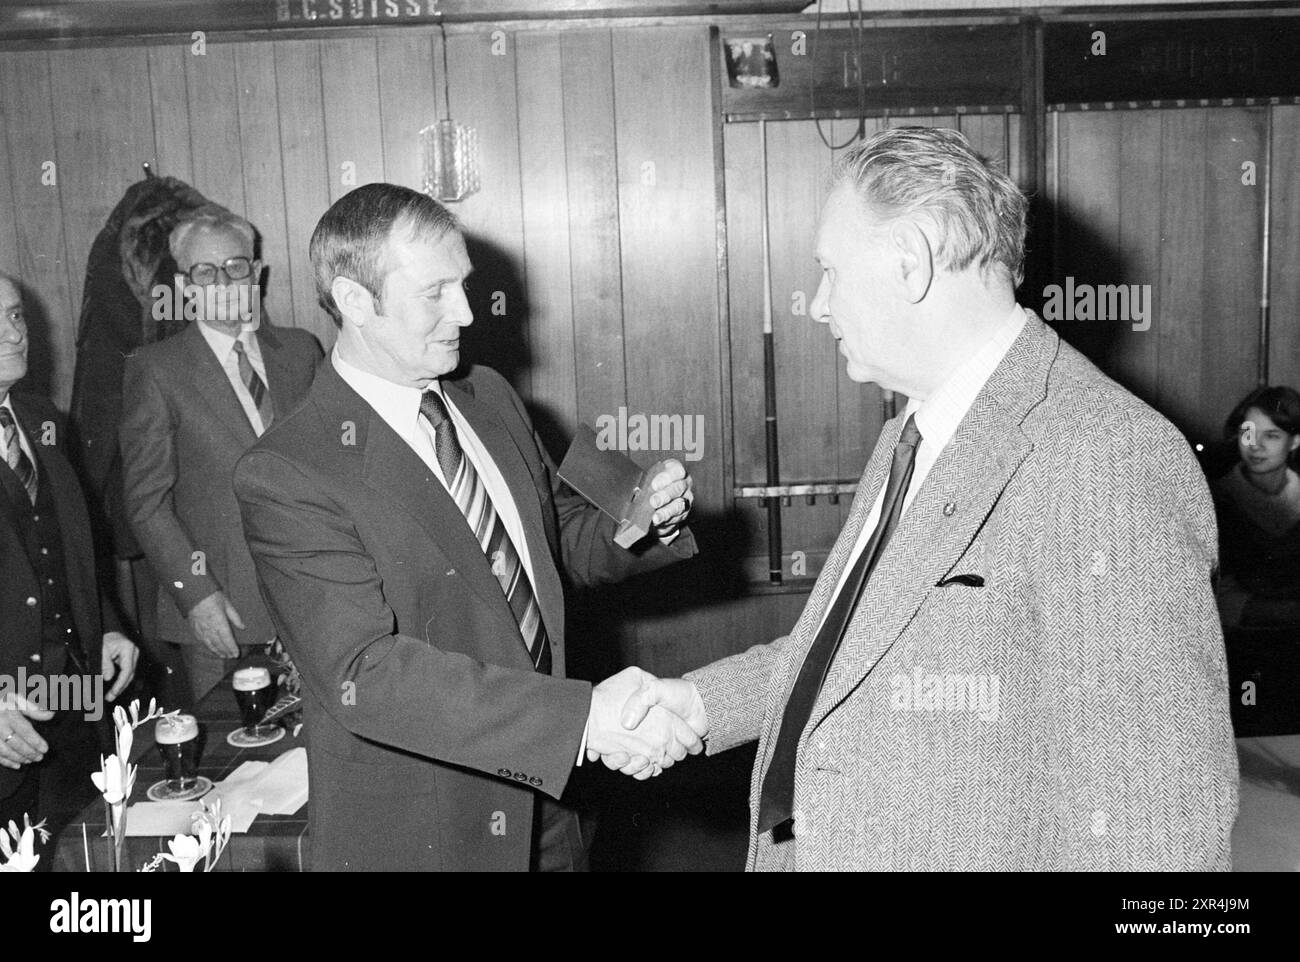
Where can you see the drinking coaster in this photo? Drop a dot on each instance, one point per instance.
(158, 791)
(241, 739)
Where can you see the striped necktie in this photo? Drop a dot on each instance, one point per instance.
(471, 496)
(256, 388)
(15, 457)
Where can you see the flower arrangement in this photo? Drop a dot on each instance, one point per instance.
(20, 853)
(116, 776)
(211, 833)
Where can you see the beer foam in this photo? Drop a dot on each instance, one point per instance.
(175, 729)
(251, 679)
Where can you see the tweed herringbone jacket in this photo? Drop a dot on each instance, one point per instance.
(1071, 712)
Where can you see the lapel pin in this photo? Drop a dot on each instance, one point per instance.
(949, 509)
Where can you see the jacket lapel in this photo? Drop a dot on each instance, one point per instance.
(396, 472)
(805, 630)
(975, 467)
(509, 460)
(211, 381)
(278, 374)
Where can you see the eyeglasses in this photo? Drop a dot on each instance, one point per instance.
(235, 269)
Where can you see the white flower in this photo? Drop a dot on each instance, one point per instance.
(109, 780)
(186, 852)
(24, 858)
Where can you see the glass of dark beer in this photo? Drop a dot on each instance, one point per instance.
(255, 694)
(177, 739)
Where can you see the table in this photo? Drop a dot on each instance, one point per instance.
(272, 843)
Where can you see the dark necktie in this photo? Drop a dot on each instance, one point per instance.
(15, 457)
(776, 803)
(471, 496)
(256, 388)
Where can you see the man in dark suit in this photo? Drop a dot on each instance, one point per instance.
(59, 643)
(409, 534)
(192, 404)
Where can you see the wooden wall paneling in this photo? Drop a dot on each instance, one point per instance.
(9, 227)
(354, 137)
(987, 134)
(798, 170)
(169, 95)
(263, 172)
(1284, 278)
(1134, 358)
(664, 134)
(103, 125)
(740, 147)
(545, 200)
(595, 258)
(410, 98)
(1182, 280)
(1089, 226)
(213, 99)
(860, 412)
(1233, 256)
(481, 67)
(306, 187)
(34, 238)
(1015, 131)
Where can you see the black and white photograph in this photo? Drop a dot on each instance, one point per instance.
(650, 436)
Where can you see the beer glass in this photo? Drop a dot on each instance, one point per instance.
(177, 740)
(255, 694)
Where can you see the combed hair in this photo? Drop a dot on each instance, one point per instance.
(351, 239)
(979, 211)
(208, 217)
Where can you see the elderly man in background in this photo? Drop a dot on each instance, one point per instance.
(1012, 658)
(192, 405)
(54, 622)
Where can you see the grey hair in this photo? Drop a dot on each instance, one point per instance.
(979, 211)
(210, 217)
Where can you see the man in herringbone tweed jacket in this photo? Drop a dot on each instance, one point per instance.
(1033, 675)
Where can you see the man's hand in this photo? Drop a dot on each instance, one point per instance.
(19, 743)
(672, 498)
(118, 661)
(657, 738)
(210, 620)
(675, 694)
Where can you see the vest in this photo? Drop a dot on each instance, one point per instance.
(39, 527)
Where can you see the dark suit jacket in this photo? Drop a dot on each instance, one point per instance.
(429, 732)
(182, 431)
(20, 622)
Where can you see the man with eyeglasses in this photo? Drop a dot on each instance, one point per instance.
(57, 632)
(192, 405)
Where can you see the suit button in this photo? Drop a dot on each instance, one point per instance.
(49, 581)
(31, 602)
(36, 517)
(58, 616)
(36, 657)
(45, 551)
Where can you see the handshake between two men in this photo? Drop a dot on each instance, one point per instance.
(640, 725)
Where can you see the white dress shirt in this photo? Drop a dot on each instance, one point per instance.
(399, 406)
(937, 418)
(223, 346)
(23, 443)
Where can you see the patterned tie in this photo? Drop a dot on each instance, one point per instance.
(471, 496)
(15, 457)
(776, 803)
(256, 389)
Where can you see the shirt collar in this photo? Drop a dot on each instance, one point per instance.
(222, 343)
(938, 416)
(397, 404)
